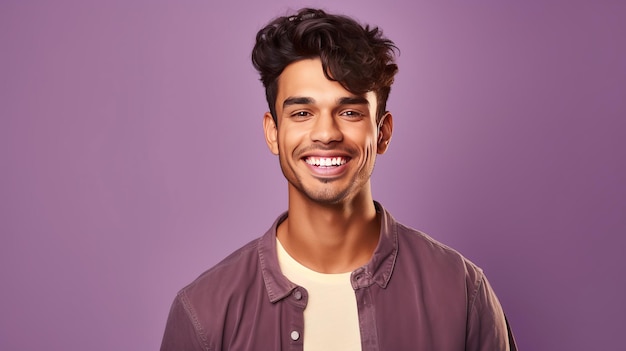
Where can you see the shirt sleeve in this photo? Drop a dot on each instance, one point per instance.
(488, 329)
(180, 332)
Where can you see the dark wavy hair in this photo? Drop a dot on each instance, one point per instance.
(356, 56)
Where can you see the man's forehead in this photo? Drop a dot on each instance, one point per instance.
(306, 73)
(304, 82)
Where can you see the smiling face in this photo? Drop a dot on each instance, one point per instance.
(327, 138)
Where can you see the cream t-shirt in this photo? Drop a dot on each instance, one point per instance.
(331, 320)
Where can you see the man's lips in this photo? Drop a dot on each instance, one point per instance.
(326, 161)
(327, 167)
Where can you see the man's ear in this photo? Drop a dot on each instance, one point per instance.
(271, 133)
(385, 129)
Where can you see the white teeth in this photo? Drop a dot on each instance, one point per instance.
(325, 161)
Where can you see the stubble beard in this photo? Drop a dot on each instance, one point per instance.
(326, 195)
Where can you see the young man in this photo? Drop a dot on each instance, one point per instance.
(336, 271)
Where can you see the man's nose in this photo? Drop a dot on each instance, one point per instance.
(325, 129)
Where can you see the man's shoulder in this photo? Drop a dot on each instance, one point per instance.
(423, 241)
(219, 294)
(240, 265)
(429, 251)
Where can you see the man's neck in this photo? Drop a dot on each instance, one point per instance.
(330, 238)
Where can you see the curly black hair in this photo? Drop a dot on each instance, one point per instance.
(356, 56)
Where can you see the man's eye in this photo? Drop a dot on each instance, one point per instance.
(351, 113)
(300, 114)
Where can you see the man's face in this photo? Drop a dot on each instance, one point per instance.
(327, 138)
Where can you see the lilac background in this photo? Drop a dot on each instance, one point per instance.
(132, 158)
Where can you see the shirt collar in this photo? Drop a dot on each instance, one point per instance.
(276, 284)
(378, 270)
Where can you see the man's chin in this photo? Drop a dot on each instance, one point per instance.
(327, 196)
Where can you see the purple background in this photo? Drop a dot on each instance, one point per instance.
(132, 158)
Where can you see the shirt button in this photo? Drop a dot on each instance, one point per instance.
(297, 295)
(295, 335)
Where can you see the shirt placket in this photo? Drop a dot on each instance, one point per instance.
(361, 282)
(293, 334)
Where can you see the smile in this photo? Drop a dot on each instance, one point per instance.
(326, 161)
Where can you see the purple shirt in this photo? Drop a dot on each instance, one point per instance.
(413, 294)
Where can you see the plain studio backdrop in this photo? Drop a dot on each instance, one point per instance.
(132, 157)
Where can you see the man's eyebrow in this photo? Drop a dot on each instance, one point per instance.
(298, 100)
(353, 100)
(303, 100)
